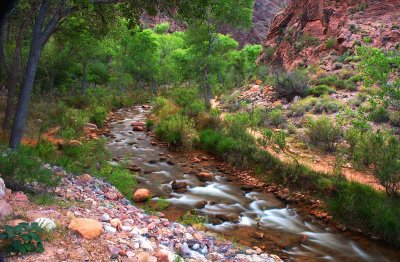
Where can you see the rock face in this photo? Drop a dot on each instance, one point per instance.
(264, 13)
(298, 35)
(88, 228)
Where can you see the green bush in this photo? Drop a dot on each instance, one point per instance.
(98, 116)
(394, 118)
(24, 166)
(303, 106)
(323, 132)
(326, 105)
(319, 90)
(334, 81)
(291, 84)
(23, 238)
(177, 130)
(189, 100)
(119, 177)
(275, 117)
(379, 115)
(149, 124)
(330, 43)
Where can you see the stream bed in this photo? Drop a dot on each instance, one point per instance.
(252, 218)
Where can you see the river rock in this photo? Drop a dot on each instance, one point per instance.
(203, 176)
(141, 195)
(87, 228)
(74, 143)
(200, 204)
(234, 218)
(116, 223)
(179, 185)
(138, 128)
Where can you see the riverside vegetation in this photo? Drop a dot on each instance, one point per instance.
(86, 72)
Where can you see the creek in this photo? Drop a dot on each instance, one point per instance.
(252, 218)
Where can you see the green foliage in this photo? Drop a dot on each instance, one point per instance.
(330, 43)
(192, 218)
(162, 204)
(162, 28)
(334, 81)
(379, 115)
(323, 132)
(24, 166)
(394, 118)
(319, 90)
(149, 124)
(23, 238)
(353, 28)
(291, 84)
(189, 100)
(177, 130)
(304, 41)
(119, 177)
(275, 117)
(279, 138)
(98, 116)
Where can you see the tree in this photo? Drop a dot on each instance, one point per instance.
(205, 20)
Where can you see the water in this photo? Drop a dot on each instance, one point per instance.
(286, 233)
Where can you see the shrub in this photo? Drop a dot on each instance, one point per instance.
(330, 43)
(189, 99)
(326, 105)
(177, 130)
(334, 81)
(279, 138)
(149, 124)
(304, 41)
(23, 238)
(119, 177)
(291, 84)
(322, 132)
(98, 116)
(319, 90)
(303, 106)
(164, 108)
(275, 117)
(394, 118)
(379, 115)
(24, 166)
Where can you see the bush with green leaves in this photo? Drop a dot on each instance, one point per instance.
(291, 84)
(319, 90)
(323, 132)
(118, 176)
(23, 238)
(275, 117)
(394, 118)
(24, 166)
(189, 100)
(98, 116)
(177, 130)
(330, 43)
(379, 115)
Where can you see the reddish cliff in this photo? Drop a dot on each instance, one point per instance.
(308, 30)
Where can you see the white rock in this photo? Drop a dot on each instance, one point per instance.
(2, 188)
(146, 245)
(110, 229)
(105, 217)
(46, 223)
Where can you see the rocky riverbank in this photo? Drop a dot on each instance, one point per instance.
(96, 223)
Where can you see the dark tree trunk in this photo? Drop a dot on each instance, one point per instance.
(12, 86)
(24, 96)
(3, 36)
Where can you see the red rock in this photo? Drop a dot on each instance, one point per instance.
(138, 128)
(141, 195)
(88, 228)
(142, 124)
(203, 176)
(161, 256)
(111, 196)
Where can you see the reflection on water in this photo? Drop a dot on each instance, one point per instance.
(256, 212)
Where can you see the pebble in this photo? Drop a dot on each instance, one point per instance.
(110, 229)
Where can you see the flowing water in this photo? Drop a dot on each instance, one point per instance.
(285, 232)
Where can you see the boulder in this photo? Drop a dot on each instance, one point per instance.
(178, 185)
(138, 128)
(141, 195)
(87, 228)
(203, 176)
(138, 124)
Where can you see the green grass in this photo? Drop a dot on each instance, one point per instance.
(119, 177)
(192, 218)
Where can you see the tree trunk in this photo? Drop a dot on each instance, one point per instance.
(12, 86)
(84, 78)
(24, 96)
(3, 36)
